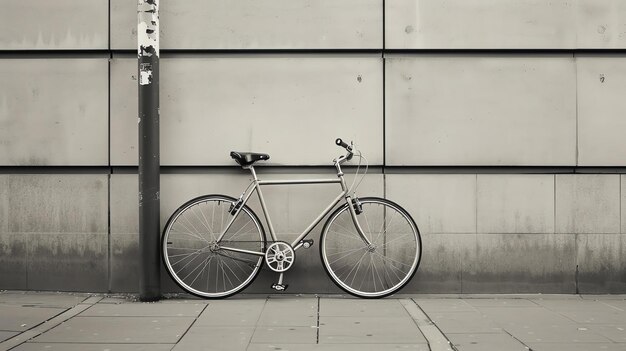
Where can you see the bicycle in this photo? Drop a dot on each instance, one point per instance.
(213, 246)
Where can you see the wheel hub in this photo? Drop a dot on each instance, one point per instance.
(214, 246)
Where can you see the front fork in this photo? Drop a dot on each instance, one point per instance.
(354, 205)
(355, 208)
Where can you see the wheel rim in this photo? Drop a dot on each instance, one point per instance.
(374, 271)
(194, 259)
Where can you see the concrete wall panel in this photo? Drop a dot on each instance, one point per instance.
(249, 24)
(74, 262)
(125, 264)
(588, 203)
(480, 24)
(481, 110)
(601, 105)
(13, 261)
(444, 257)
(54, 232)
(210, 106)
(601, 24)
(623, 203)
(291, 209)
(601, 263)
(515, 203)
(13, 274)
(59, 203)
(439, 203)
(58, 24)
(4, 203)
(54, 112)
(522, 263)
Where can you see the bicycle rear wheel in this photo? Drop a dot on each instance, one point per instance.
(371, 271)
(194, 259)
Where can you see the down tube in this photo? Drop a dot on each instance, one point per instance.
(318, 219)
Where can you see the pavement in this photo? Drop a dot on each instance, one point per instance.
(72, 321)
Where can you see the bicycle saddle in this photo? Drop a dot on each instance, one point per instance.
(247, 158)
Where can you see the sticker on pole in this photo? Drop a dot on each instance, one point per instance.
(145, 73)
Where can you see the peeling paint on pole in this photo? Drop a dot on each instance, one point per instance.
(149, 157)
(148, 27)
(147, 37)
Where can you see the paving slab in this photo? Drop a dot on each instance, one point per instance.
(185, 298)
(375, 330)
(116, 300)
(290, 322)
(48, 325)
(140, 330)
(215, 338)
(560, 304)
(436, 340)
(92, 347)
(53, 300)
(587, 311)
(595, 315)
(226, 313)
(522, 317)
(285, 335)
(6, 335)
(602, 297)
(338, 347)
(483, 342)
(577, 347)
(21, 318)
(463, 322)
(537, 296)
(615, 333)
(139, 309)
(500, 303)
(540, 332)
(619, 304)
(299, 312)
(361, 307)
(444, 305)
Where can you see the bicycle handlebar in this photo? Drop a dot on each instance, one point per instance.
(344, 145)
(341, 143)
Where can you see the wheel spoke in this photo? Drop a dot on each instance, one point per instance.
(350, 252)
(371, 271)
(186, 242)
(194, 211)
(190, 233)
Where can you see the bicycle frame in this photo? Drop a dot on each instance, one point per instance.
(256, 184)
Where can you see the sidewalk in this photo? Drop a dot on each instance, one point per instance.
(69, 321)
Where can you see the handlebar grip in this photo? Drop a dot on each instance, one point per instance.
(341, 143)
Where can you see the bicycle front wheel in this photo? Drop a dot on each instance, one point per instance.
(377, 270)
(194, 258)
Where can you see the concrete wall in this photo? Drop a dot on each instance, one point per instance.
(497, 124)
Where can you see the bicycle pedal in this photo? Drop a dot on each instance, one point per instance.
(280, 287)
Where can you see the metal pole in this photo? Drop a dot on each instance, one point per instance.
(149, 162)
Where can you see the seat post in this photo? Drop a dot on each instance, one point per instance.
(251, 168)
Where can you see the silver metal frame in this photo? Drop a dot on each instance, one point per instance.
(256, 184)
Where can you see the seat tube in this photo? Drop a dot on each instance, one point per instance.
(265, 213)
(262, 201)
(251, 168)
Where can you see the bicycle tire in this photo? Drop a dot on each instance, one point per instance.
(190, 234)
(388, 265)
